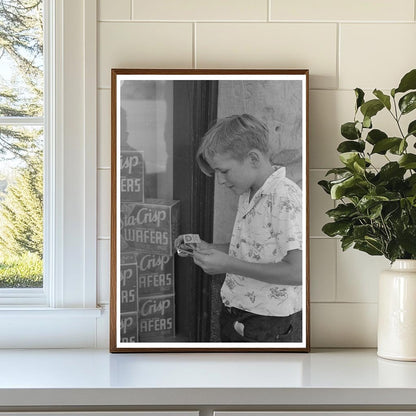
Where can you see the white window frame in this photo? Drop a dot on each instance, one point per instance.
(64, 313)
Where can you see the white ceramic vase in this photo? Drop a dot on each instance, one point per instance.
(397, 312)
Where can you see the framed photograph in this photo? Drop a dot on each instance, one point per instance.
(209, 210)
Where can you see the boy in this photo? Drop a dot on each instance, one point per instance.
(262, 291)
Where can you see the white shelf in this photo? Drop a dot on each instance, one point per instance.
(57, 378)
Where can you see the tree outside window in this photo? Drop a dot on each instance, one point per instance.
(21, 143)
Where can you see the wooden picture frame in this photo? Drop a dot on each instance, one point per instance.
(161, 302)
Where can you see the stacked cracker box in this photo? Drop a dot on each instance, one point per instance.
(148, 230)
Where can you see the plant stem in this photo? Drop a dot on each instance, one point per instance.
(397, 118)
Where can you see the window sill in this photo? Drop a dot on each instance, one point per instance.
(48, 312)
(40, 327)
(331, 379)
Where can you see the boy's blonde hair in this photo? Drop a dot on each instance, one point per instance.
(236, 135)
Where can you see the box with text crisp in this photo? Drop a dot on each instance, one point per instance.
(156, 319)
(151, 226)
(131, 176)
(155, 274)
(128, 288)
(128, 327)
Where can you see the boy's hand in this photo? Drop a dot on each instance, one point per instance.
(181, 245)
(211, 261)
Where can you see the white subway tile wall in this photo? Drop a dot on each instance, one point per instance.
(345, 44)
(366, 51)
(343, 325)
(339, 11)
(319, 203)
(270, 45)
(357, 276)
(200, 10)
(114, 10)
(323, 268)
(144, 45)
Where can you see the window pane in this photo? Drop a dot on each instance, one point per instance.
(21, 145)
(21, 207)
(146, 126)
(21, 58)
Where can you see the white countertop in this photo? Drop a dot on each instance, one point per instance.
(96, 377)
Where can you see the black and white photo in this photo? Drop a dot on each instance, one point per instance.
(209, 223)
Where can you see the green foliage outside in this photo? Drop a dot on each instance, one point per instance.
(21, 147)
(21, 271)
(376, 210)
(21, 213)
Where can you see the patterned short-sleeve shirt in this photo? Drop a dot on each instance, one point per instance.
(265, 229)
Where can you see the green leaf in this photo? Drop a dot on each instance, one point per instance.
(375, 211)
(374, 136)
(333, 229)
(375, 243)
(338, 188)
(385, 99)
(393, 250)
(392, 210)
(411, 183)
(348, 158)
(383, 145)
(325, 186)
(349, 131)
(367, 122)
(371, 108)
(369, 201)
(373, 198)
(398, 149)
(368, 248)
(402, 147)
(349, 146)
(338, 171)
(391, 170)
(408, 102)
(354, 161)
(411, 180)
(411, 130)
(359, 94)
(350, 187)
(408, 82)
(346, 242)
(408, 161)
(359, 166)
(342, 211)
(407, 240)
(361, 231)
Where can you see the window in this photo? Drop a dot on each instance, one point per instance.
(22, 127)
(63, 312)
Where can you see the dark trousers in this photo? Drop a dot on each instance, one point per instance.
(259, 328)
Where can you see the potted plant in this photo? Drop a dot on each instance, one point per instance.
(376, 206)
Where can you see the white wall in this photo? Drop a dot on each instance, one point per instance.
(345, 44)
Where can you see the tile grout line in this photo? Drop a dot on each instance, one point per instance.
(194, 62)
(254, 21)
(336, 246)
(338, 63)
(344, 302)
(323, 237)
(269, 10)
(336, 271)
